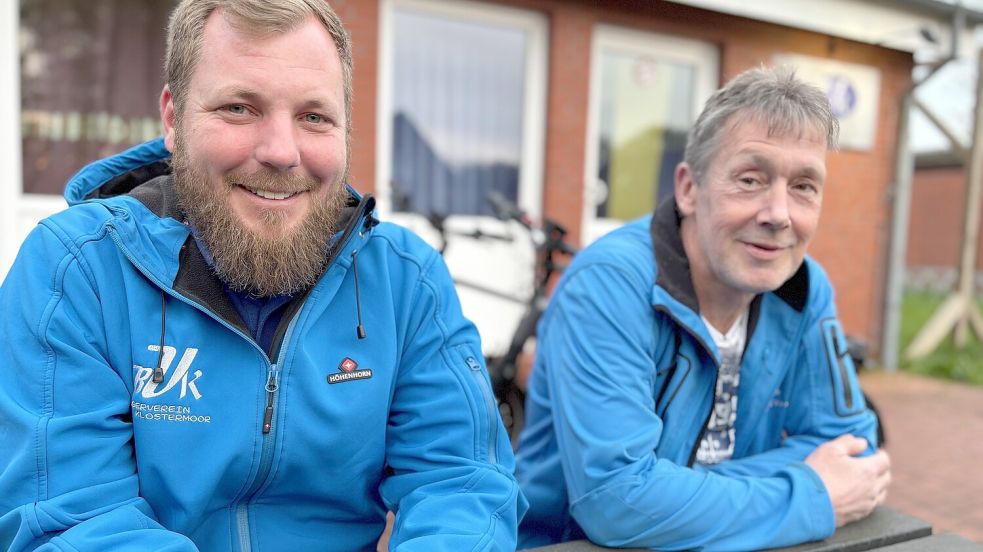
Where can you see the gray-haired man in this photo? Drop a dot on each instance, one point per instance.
(691, 386)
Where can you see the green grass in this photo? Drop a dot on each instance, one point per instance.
(947, 361)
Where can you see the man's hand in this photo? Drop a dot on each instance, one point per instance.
(855, 485)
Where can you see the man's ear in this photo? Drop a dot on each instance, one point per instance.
(685, 189)
(167, 117)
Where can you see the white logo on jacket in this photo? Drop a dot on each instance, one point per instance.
(144, 385)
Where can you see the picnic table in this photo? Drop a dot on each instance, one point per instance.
(885, 530)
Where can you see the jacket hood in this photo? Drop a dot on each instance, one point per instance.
(120, 173)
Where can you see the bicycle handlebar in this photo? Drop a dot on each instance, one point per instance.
(548, 237)
(506, 210)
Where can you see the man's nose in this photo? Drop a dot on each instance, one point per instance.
(277, 147)
(774, 212)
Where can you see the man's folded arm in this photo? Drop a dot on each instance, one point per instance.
(600, 375)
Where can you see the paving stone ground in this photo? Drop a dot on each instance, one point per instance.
(934, 432)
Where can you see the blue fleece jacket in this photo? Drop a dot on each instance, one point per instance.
(622, 389)
(304, 448)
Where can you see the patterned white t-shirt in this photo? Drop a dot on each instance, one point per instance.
(717, 443)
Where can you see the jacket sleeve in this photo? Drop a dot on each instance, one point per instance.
(450, 461)
(599, 350)
(68, 477)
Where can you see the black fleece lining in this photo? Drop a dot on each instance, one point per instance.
(158, 195)
(795, 291)
(673, 266)
(673, 272)
(196, 280)
(131, 180)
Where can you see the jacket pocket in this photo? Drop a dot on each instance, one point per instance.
(487, 422)
(847, 399)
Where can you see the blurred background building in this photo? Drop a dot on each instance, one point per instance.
(576, 110)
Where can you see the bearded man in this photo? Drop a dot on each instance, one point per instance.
(223, 349)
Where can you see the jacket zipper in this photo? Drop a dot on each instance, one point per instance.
(491, 409)
(706, 420)
(840, 353)
(713, 389)
(266, 455)
(269, 433)
(269, 441)
(272, 379)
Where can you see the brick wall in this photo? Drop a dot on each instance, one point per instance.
(854, 231)
(361, 18)
(935, 226)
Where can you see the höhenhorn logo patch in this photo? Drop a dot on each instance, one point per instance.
(349, 371)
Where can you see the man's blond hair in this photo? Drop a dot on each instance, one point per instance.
(186, 29)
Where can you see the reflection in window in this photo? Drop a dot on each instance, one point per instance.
(458, 103)
(646, 110)
(91, 73)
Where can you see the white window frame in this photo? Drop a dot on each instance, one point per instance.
(10, 147)
(505, 267)
(19, 212)
(530, 191)
(702, 55)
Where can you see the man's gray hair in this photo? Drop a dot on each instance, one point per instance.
(186, 29)
(773, 96)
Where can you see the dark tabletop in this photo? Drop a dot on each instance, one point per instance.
(882, 528)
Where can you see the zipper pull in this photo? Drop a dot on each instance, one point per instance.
(271, 387)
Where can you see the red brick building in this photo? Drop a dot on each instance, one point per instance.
(935, 228)
(853, 236)
(575, 109)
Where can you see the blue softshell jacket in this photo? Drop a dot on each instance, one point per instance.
(303, 447)
(622, 390)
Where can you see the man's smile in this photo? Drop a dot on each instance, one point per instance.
(268, 194)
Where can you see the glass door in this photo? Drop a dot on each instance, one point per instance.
(646, 91)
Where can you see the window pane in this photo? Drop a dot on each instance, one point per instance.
(457, 94)
(646, 107)
(91, 73)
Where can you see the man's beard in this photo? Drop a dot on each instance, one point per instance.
(266, 263)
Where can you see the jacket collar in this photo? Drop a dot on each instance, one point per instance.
(163, 245)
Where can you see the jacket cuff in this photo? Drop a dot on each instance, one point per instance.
(809, 489)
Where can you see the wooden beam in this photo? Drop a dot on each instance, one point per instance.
(958, 312)
(956, 144)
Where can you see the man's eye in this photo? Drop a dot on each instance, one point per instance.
(313, 118)
(749, 181)
(806, 188)
(236, 109)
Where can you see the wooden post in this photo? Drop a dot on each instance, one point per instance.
(958, 312)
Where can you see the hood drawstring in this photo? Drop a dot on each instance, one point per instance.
(366, 206)
(159, 371)
(359, 329)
